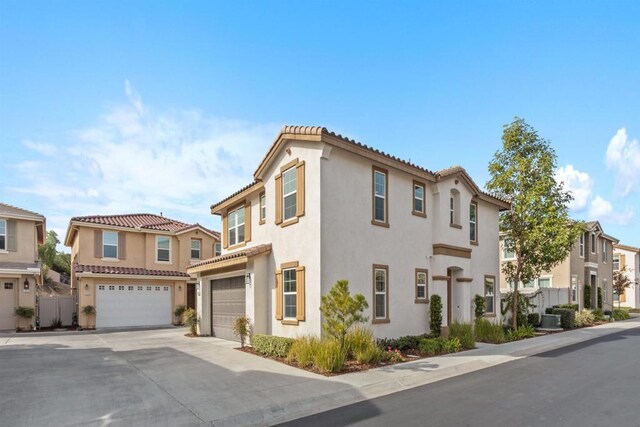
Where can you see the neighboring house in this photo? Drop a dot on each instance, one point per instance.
(132, 268)
(21, 231)
(590, 262)
(325, 208)
(629, 257)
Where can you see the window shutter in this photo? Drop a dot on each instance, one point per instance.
(622, 261)
(279, 199)
(225, 232)
(300, 293)
(247, 222)
(97, 243)
(122, 245)
(300, 189)
(279, 295)
(12, 240)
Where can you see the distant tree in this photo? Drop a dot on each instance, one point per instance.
(621, 282)
(537, 227)
(51, 258)
(341, 311)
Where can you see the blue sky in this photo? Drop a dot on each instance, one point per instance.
(98, 99)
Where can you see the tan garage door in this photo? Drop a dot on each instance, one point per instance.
(227, 303)
(7, 303)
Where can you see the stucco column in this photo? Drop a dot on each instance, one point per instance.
(203, 306)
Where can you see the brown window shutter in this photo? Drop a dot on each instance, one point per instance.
(97, 243)
(225, 232)
(122, 245)
(12, 238)
(279, 199)
(300, 293)
(623, 260)
(247, 222)
(279, 295)
(300, 189)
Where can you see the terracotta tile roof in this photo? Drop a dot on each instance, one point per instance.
(13, 210)
(249, 252)
(245, 188)
(108, 269)
(139, 221)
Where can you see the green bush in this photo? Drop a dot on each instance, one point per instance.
(585, 317)
(599, 298)
(179, 310)
(435, 315)
(567, 317)
(408, 342)
(478, 301)
(25, 312)
(191, 320)
(587, 296)
(523, 332)
(303, 351)
(619, 314)
(329, 356)
(452, 345)
(597, 314)
(242, 328)
(270, 345)
(489, 332)
(548, 310)
(431, 346)
(464, 333)
(573, 307)
(341, 311)
(361, 346)
(533, 319)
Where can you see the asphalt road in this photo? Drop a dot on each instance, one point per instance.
(594, 383)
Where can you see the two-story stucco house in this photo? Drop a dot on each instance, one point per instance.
(324, 208)
(590, 262)
(21, 231)
(627, 258)
(132, 268)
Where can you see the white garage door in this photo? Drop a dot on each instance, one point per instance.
(7, 303)
(133, 305)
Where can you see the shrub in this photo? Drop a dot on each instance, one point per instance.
(270, 345)
(431, 346)
(587, 296)
(619, 314)
(88, 310)
(303, 351)
(533, 319)
(478, 301)
(25, 312)
(548, 310)
(523, 332)
(464, 333)
(567, 317)
(178, 312)
(392, 356)
(408, 342)
(56, 323)
(489, 332)
(190, 318)
(585, 317)
(329, 357)
(242, 328)
(524, 305)
(452, 345)
(435, 315)
(597, 314)
(341, 311)
(361, 346)
(573, 307)
(607, 312)
(599, 294)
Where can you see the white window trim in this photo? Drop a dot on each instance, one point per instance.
(263, 207)
(424, 191)
(452, 209)
(285, 195)
(104, 258)
(235, 228)
(581, 246)
(475, 222)
(191, 249)
(504, 253)
(4, 250)
(613, 261)
(594, 245)
(284, 294)
(546, 276)
(217, 249)
(380, 196)
(170, 251)
(577, 297)
(493, 310)
(384, 293)
(422, 285)
(604, 251)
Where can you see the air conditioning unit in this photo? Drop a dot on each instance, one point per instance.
(550, 321)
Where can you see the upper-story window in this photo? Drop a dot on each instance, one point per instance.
(3, 234)
(593, 243)
(473, 222)
(581, 244)
(508, 251)
(163, 248)
(110, 244)
(236, 226)
(380, 195)
(604, 250)
(217, 249)
(616, 261)
(289, 194)
(263, 208)
(289, 190)
(195, 248)
(419, 197)
(454, 208)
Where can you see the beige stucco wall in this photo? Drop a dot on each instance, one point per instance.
(632, 262)
(21, 297)
(26, 243)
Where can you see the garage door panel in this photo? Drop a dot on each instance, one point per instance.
(228, 298)
(133, 305)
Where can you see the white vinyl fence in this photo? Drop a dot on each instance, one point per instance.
(543, 298)
(55, 307)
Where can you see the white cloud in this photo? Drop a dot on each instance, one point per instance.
(578, 183)
(623, 156)
(39, 147)
(602, 210)
(135, 159)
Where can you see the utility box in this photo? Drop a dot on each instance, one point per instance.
(550, 321)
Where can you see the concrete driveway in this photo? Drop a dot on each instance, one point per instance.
(151, 377)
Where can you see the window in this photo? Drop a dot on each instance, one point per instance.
(263, 208)
(508, 251)
(593, 243)
(452, 211)
(544, 282)
(380, 194)
(574, 288)
(139, 288)
(489, 295)
(109, 244)
(121, 288)
(582, 245)
(217, 249)
(8, 285)
(236, 226)
(421, 285)
(604, 250)
(163, 249)
(195, 248)
(419, 207)
(129, 288)
(454, 208)
(289, 191)
(380, 294)
(616, 261)
(148, 288)
(473, 222)
(605, 286)
(528, 284)
(289, 293)
(3, 234)
(157, 288)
